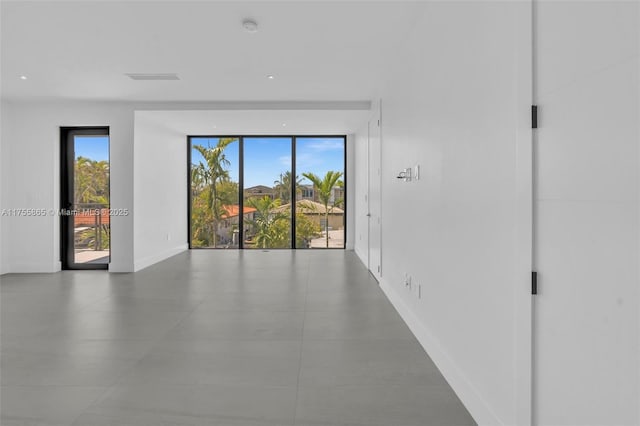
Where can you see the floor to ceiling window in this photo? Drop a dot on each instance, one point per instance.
(320, 190)
(266, 192)
(214, 192)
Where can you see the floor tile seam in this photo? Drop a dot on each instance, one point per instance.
(113, 380)
(199, 357)
(93, 407)
(304, 317)
(85, 307)
(199, 385)
(270, 311)
(154, 345)
(33, 353)
(185, 317)
(439, 386)
(105, 390)
(176, 417)
(55, 386)
(230, 339)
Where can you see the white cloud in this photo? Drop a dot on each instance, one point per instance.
(327, 145)
(285, 160)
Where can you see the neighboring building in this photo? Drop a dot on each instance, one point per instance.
(260, 191)
(316, 212)
(337, 196)
(308, 192)
(228, 226)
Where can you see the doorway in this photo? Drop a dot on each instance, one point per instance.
(85, 198)
(374, 254)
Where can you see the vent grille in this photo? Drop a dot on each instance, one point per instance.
(154, 77)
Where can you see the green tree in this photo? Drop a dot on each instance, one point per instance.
(324, 188)
(91, 190)
(306, 230)
(91, 181)
(270, 226)
(208, 183)
(282, 186)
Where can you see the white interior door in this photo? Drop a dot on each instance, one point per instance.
(587, 227)
(374, 198)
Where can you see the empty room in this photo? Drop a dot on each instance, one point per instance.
(319, 213)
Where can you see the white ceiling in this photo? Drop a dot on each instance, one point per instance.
(317, 50)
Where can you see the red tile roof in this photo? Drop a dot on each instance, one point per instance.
(233, 210)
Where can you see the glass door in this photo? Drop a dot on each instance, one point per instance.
(267, 192)
(214, 207)
(85, 204)
(320, 192)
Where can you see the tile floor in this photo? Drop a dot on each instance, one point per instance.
(216, 338)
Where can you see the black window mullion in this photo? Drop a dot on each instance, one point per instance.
(293, 192)
(189, 189)
(241, 193)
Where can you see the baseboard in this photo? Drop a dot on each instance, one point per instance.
(362, 256)
(159, 257)
(468, 394)
(32, 268)
(120, 267)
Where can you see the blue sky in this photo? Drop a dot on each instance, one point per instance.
(93, 147)
(266, 158)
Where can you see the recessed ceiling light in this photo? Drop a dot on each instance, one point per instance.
(270, 77)
(23, 77)
(250, 25)
(284, 124)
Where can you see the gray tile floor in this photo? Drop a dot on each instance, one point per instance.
(216, 338)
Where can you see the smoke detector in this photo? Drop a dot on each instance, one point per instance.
(250, 25)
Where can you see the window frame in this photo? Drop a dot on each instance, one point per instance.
(241, 187)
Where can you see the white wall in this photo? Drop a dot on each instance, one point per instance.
(160, 191)
(456, 104)
(588, 163)
(350, 151)
(150, 162)
(4, 167)
(360, 209)
(31, 176)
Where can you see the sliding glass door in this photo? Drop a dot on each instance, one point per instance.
(320, 204)
(214, 219)
(266, 192)
(267, 197)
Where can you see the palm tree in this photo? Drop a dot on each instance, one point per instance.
(267, 222)
(324, 188)
(283, 186)
(210, 176)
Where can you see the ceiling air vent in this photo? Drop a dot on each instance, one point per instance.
(157, 76)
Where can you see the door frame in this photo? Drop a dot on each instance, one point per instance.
(67, 159)
(374, 120)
